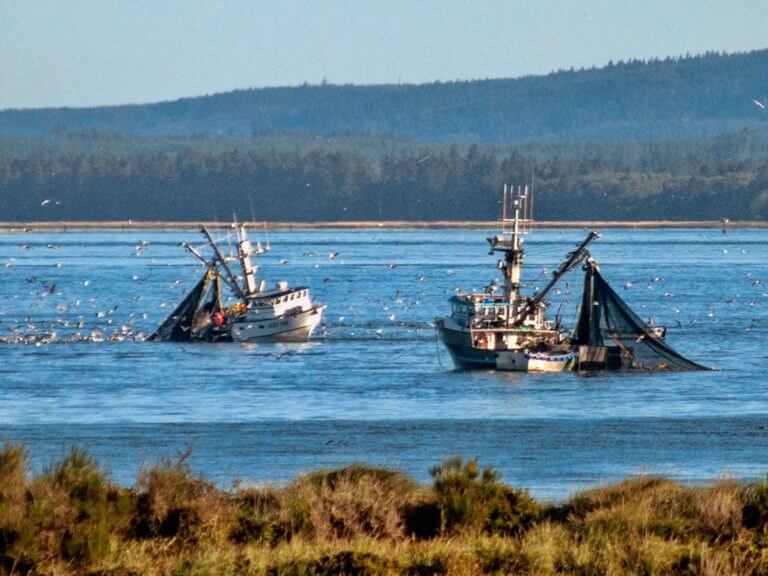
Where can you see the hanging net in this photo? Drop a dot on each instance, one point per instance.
(192, 320)
(610, 336)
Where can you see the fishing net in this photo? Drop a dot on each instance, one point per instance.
(192, 319)
(610, 336)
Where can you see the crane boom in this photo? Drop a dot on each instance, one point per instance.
(571, 260)
(230, 278)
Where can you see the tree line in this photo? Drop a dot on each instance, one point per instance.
(100, 177)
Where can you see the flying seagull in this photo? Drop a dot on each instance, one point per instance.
(759, 104)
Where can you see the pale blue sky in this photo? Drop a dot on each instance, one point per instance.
(78, 52)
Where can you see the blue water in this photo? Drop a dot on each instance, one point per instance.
(373, 385)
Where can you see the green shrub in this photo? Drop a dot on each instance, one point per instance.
(73, 510)
(474, 499)
(173, 502)
(353, 501)
(580, 505)
(14, 471)
(754, 498)
(258, 517)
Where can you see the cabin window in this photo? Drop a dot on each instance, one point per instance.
(459, 308)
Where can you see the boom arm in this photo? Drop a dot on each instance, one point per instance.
(230, 278)
(571, 260)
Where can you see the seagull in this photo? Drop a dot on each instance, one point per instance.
(45, 202)
(391, 266)
(283, 261)
(332, 255)
(759, 104)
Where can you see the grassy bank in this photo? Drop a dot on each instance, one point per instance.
(71, 519)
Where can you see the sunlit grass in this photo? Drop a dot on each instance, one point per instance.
(72, 519)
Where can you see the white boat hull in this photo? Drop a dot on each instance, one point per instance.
(295, 328)
(521, 361)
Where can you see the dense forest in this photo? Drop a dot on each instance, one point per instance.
(305, 178)
(674, 98)
(673, 139)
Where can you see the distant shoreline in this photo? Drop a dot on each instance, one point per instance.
(123, 225)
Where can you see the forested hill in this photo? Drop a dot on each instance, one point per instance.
(690, 97)
(102, 177)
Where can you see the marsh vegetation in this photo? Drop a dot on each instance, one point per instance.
(70, 518)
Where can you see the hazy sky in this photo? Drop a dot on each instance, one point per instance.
(77, 52)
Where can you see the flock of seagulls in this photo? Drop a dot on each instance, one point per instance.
(85, 317)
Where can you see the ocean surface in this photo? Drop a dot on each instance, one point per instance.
(374, 385)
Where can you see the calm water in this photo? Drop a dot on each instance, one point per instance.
(373, 386)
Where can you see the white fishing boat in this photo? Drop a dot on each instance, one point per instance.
(282, 314)
(260, 314)
(510, 331)
(507, 330)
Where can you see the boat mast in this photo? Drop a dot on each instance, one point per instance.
(511, 246)
(244, 252)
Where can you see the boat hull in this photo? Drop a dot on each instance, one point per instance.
(464, 355)
(295, 328)
(459, 345)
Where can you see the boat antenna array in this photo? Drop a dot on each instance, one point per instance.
(517, 209)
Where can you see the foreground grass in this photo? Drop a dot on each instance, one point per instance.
(71, 519)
